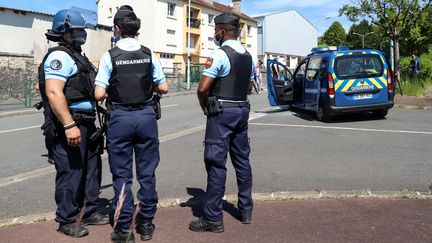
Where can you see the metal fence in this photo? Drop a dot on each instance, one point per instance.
(19, 88)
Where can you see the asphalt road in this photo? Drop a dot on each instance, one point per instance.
(291, 151)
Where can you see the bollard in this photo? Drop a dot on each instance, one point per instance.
(178, 82)
(27, 94)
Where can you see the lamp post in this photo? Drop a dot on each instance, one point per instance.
(363, 36)
(319, 19)
(188, 46)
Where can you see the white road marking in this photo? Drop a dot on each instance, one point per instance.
(20, 129)
(166, 106)
(31, 127)
(47, 170)
(342, 128)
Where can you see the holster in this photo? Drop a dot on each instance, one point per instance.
(49, 127)
(156, 104)
(97, 141)
(213, 106)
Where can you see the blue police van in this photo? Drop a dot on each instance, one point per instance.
(332, 81)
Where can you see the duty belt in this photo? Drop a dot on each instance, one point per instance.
(228, 104)
(131, 106)
(81, 116)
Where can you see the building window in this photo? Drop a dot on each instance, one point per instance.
(167, 56)
(211, 19)
(249, 30)
(259, 30)
(171, 9)
(171, 37)
(210, 43)
(110, 13)
(249, 46)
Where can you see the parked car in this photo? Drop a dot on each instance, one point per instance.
(332, 81)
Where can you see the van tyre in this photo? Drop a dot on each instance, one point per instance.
(322, 114)
(380, 114)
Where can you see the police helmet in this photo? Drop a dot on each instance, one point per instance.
(67, 19)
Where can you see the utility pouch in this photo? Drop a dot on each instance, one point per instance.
(248, 105)
(49, 128)
(156, 104)
(97, 141)
(213, 106)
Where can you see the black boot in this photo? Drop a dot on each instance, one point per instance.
(145, 228)
(203, 225)
(122, 237)
(95, 219)
(246, 218)
(73, 230)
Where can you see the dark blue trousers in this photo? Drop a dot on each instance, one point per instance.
(129, 130)
(77, 179)
(227, 132)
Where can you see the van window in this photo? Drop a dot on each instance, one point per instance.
(313, 67)
(358, 66)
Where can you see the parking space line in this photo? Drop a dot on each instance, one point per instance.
(342, 128)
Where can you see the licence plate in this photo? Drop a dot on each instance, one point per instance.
(362, 96)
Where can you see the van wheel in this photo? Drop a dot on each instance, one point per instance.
(381, 114)
(322, 114)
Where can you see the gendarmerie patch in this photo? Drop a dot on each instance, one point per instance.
(56, 64)
(209, 62)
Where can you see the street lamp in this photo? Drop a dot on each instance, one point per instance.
(188, 46)
(319, 19)
(363, 36)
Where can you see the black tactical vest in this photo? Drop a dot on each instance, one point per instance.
(131, 79)
(78, 87)
(234, 86)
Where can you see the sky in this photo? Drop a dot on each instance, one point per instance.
(316, 11)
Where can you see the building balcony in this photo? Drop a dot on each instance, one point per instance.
(194, 23)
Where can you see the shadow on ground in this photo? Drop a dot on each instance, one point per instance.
(196, 203)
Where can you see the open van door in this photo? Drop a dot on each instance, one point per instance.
(279, 84)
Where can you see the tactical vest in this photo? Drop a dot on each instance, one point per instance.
(78, 87)
(235, 85)
(131, 79)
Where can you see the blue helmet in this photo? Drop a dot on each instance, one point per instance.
(67, 19)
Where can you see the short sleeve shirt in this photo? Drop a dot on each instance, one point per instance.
(218, 64)
(60, 66)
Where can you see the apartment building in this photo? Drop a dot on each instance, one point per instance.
(286, 35)
(164, 28)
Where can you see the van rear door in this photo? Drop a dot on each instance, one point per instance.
(360, 78)
(279, 84)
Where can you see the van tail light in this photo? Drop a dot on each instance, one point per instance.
(389, 81)
(330, 87)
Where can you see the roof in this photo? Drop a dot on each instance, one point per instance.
(283, 11)
(2, 8)
(271, 13)
(223, 8)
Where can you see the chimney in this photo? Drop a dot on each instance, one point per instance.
(209, 2)
(237, 6)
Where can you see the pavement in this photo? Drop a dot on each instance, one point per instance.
(369, 218)
(322, 220)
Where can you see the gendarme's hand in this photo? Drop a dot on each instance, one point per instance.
(73, 136)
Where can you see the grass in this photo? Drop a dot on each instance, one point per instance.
(413, 87)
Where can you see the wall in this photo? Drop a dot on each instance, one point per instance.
(288, 33)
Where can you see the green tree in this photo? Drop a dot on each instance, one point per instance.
(334, 35)
(419, 38)
(394, 17)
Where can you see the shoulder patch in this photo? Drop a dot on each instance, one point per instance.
(56, 64)
(209, 62)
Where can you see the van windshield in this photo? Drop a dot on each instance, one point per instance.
(358, 66)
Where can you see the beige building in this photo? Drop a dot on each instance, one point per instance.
(164, 28)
